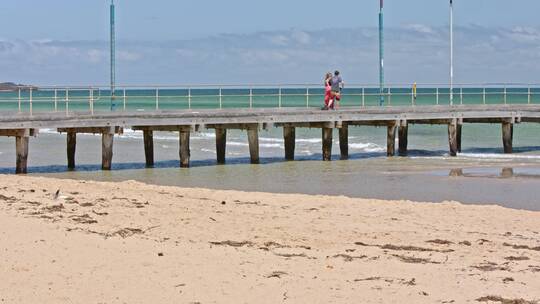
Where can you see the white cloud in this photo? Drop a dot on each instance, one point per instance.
(420, 28)
(301, 37)
(280, 40)
(413, 53)
(129, 56)
(96, 56)
(525, 35)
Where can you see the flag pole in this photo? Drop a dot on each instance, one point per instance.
(451, 52)
(381, 53)
(113, 56)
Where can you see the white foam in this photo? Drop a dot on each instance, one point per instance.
(242, 144)
(237, 144)
(272, 146)
(366, 147)
(270, 139)
(235, 154)
(48, 131)
(306, 152)
(204, 135)
(309, 140)
(208, 151)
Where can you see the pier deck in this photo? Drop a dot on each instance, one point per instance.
(22, 126)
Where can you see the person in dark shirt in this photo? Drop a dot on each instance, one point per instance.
(337, 86)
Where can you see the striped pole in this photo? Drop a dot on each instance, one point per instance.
(113, 58)
(451, 52)
(381, 53)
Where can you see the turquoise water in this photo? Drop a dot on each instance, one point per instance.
(168, 99)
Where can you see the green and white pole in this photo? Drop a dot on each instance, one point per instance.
(381, 53)
(451, 52)
(113, 57)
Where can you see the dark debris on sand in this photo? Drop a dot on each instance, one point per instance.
(524, 247)
(411, 282)
(276, 274)
(440, 242)
(414, 260)
(404, 248)
(349, 258)
(83, 219)
(504, 300)
(126, 232)
(517, 258)
(490, 266)
(233, 243)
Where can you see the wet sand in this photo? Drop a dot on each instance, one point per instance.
(67, 241)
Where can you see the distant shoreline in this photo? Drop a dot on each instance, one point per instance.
(12, 87)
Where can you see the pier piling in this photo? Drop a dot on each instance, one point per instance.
(107, 135)
(327, 143)
(21, 144)
(391, 139)
(459, 128)
(452, 137)
(253, 139)
(106, 150)
(289, 136)
(508, 136)
(71, 139)
(148, 137)
(403, 135)
(184, 148)
(344, 141)
(221, 144)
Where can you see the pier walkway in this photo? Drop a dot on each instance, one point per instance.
(23, 125)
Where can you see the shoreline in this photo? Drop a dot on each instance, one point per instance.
(115, 242)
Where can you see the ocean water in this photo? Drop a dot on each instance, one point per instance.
(481, 174)
(51, 99)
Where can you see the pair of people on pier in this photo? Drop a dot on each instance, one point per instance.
(332, 90)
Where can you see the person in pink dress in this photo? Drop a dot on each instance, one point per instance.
(328, 98)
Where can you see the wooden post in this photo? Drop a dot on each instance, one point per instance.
(289, 136)
(391, 140)
(452, 137)
(327, 143)
(344, 141)
(21, 145)
(253, 139)
(508, 136)
(458, 136)
(403, 136)
(148, 137)
(71, 147)
(221, 144)
(184, 148)
(106, 150)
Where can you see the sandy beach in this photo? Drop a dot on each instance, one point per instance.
(65, 241)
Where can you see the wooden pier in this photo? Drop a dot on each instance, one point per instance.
(397, 120)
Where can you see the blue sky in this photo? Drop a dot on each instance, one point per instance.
(240, 41)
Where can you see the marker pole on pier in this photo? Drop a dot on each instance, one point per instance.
(381, 53)
(113, 57)
(451, 52)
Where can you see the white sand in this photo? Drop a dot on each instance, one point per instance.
(135, 243)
